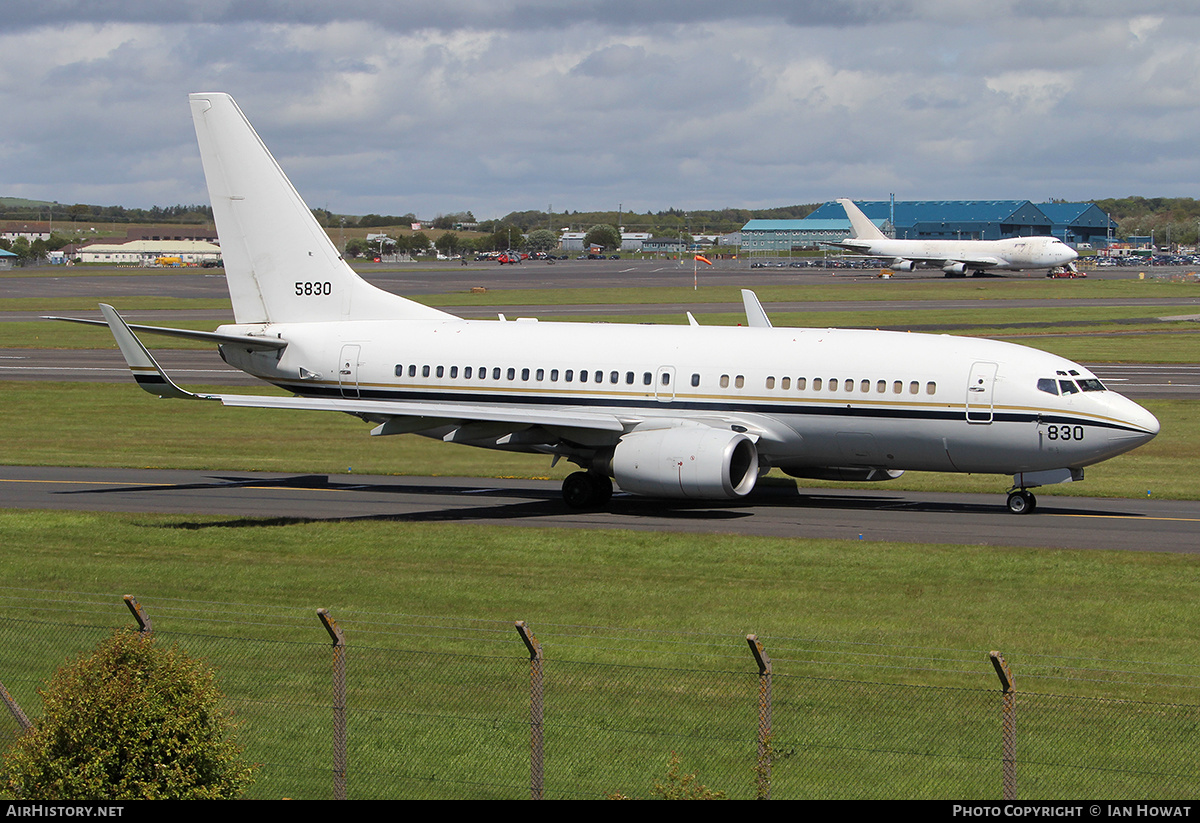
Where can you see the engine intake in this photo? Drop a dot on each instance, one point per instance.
(686, 461)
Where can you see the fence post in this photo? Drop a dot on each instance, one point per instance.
(1010, 725)
(536, 707)
(339, 703)
(145, 626)
(13, 708)
(762, 768)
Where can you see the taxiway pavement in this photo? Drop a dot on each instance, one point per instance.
(254, 499)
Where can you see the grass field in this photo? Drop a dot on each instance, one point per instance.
(1122, 605)
(1038, 288)
(642, 635)
(1090, 624)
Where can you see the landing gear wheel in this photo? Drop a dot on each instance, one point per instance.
(1021, 502)
(604, 490)
(584, 490)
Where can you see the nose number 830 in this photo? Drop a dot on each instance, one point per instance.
(1064, 432)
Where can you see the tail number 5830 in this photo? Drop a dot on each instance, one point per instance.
(310, 288)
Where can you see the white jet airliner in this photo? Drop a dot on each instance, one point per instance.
(955, 257)
(683, 411)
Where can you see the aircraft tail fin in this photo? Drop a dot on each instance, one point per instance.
(280, 265)
(861, 226)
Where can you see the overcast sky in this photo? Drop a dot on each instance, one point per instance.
(501, 105)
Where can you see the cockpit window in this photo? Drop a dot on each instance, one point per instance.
(1090, 384)
(1068, 387)
(1048, 385)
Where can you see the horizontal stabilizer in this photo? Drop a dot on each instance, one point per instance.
(246, 341)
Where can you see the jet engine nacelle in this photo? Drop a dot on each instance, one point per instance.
(900, 264)
(686, 461)
(954, 268)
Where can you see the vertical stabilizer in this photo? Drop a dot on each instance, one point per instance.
(862, 227)
(280, 265)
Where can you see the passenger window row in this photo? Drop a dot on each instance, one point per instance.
(630, 378)
(848, 385)
(537, 375)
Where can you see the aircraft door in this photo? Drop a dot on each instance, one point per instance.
(980, 388)
(664, 384)
(348, 371)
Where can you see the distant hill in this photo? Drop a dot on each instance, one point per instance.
(23, 203)
(1174, 219)
(668, 222)
(1169, 219)
(20, 208)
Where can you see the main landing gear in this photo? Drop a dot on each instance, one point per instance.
(586, 490)
(1021, 501)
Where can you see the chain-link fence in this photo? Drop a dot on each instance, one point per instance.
(389, 706)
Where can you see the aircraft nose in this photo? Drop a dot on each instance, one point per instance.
(1140, 425)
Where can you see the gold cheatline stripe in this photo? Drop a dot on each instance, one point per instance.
(754, 398)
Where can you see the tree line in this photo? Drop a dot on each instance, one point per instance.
(1169, 220)
(194, 214)
(668, 223)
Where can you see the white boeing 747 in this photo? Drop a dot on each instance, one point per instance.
(684, 411)
(955, 257)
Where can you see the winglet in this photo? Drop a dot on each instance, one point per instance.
(148, 374)
(756, 316)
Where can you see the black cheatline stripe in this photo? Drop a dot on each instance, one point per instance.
(727, 407)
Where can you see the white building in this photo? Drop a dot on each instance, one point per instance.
(145, 252)
(630, 240)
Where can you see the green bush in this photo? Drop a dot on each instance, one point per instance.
(131, 721)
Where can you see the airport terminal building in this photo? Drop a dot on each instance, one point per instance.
(1074, 223)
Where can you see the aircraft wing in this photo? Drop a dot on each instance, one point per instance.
(412, 416)
(860, 246)
(975, 262)
(151, 377)
(981, 262)
(447, 412)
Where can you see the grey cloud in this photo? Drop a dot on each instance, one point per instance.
(540, 15)
(652, 105)
(458, 14)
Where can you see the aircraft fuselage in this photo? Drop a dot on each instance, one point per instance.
(817, 397)
(1012, 254)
